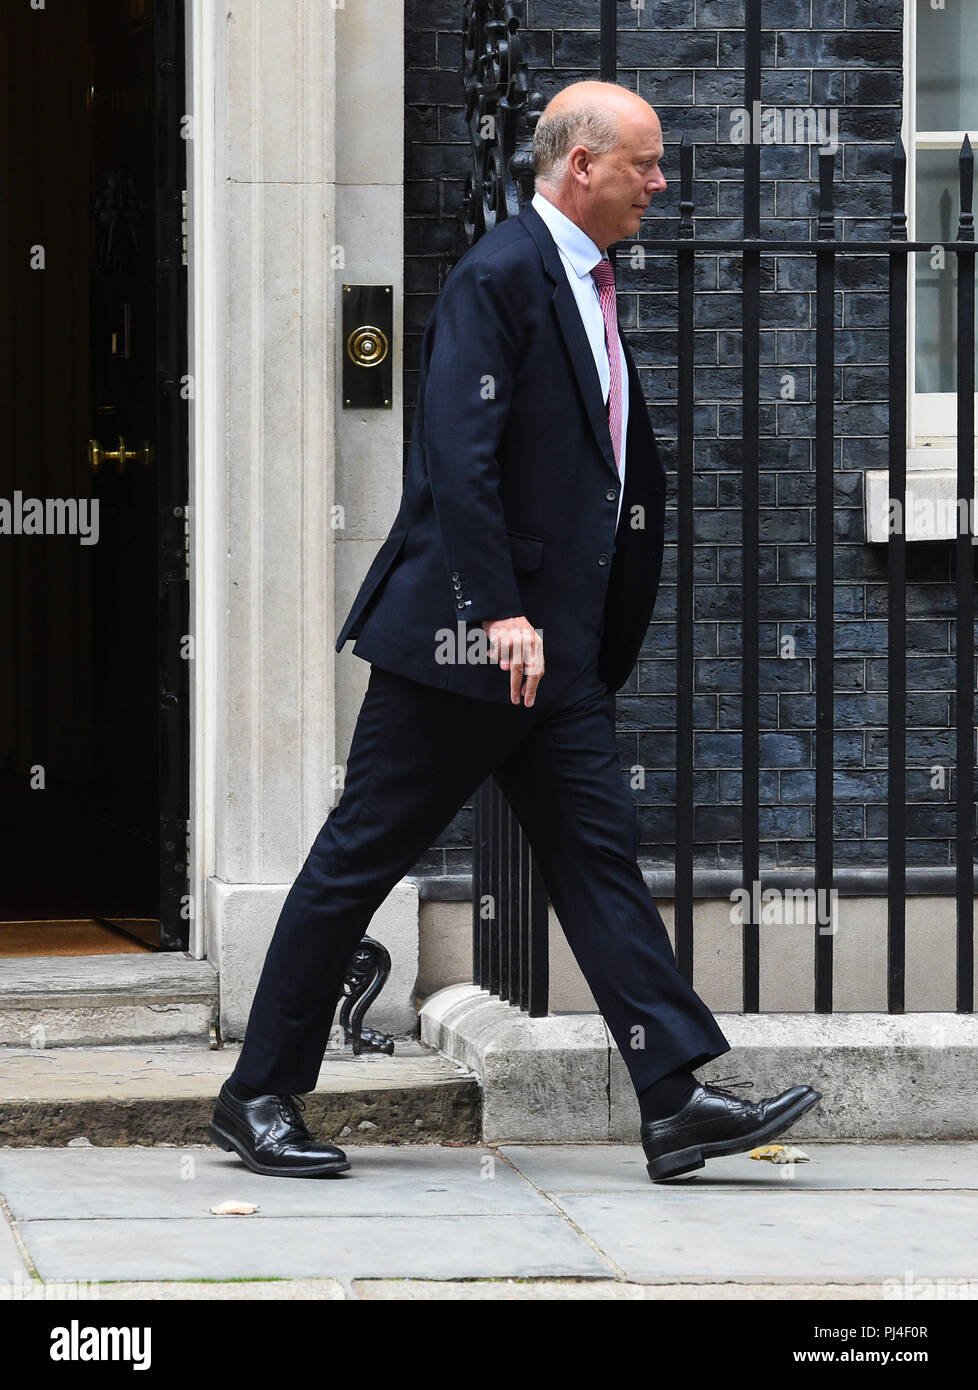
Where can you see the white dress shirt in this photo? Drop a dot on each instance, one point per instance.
(579, 256)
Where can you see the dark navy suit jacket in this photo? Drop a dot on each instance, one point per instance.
(511, 492)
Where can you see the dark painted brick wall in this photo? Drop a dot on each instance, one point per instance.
(844, 55)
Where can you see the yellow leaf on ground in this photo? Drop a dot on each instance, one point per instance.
(780, 1153)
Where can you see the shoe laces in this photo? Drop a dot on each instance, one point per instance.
(292, 1107)
(723, 1090)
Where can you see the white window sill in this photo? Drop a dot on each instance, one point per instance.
(931, 500)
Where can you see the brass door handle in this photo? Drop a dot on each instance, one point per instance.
(120, 455)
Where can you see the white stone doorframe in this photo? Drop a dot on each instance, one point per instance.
(295, 186)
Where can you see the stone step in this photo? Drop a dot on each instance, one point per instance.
(560, 1079)
(92, 1001)
(165, 1095)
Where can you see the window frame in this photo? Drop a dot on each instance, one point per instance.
(931, 415)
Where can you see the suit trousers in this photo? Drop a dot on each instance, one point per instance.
(418, 753)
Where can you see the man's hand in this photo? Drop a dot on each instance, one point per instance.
(518, 647)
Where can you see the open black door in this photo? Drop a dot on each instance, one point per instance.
(94, 748)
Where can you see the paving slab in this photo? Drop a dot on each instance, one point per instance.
(781, 1235)
(832, 1167)
(91, 1183)
(150, 1095)
(437, 1213)
(438, 1247)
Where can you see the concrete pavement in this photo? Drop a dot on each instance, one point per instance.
(863, 1221)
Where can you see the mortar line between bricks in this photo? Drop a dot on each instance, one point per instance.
(25, 1254)
(619, 1273)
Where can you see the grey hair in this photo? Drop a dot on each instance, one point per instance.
(555, 136)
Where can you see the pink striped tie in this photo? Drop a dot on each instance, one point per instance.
(604, 277)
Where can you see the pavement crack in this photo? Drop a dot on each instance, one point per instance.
(616, 1268)
(18, 1239)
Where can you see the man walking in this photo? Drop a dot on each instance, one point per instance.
(511, 595)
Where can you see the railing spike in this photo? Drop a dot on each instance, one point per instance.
(898, 212)
(685, 188)
(966, 183)
(826, 195)
(966, 173)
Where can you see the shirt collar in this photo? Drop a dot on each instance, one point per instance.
(571, 239)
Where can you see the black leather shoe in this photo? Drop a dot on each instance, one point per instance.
(715, 1121)
(270, 1135)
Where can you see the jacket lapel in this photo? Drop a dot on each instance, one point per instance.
(569, 318)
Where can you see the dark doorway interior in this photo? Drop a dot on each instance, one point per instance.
(93, 684)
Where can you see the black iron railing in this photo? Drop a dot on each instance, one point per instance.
(509, 903)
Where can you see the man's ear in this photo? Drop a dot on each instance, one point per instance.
(579, 162)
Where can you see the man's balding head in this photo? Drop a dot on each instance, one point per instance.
(585, 113)
(596, 152)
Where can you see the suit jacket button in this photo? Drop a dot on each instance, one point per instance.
(455, 575)
(602, 559)
(460, 604)
(611, 495)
